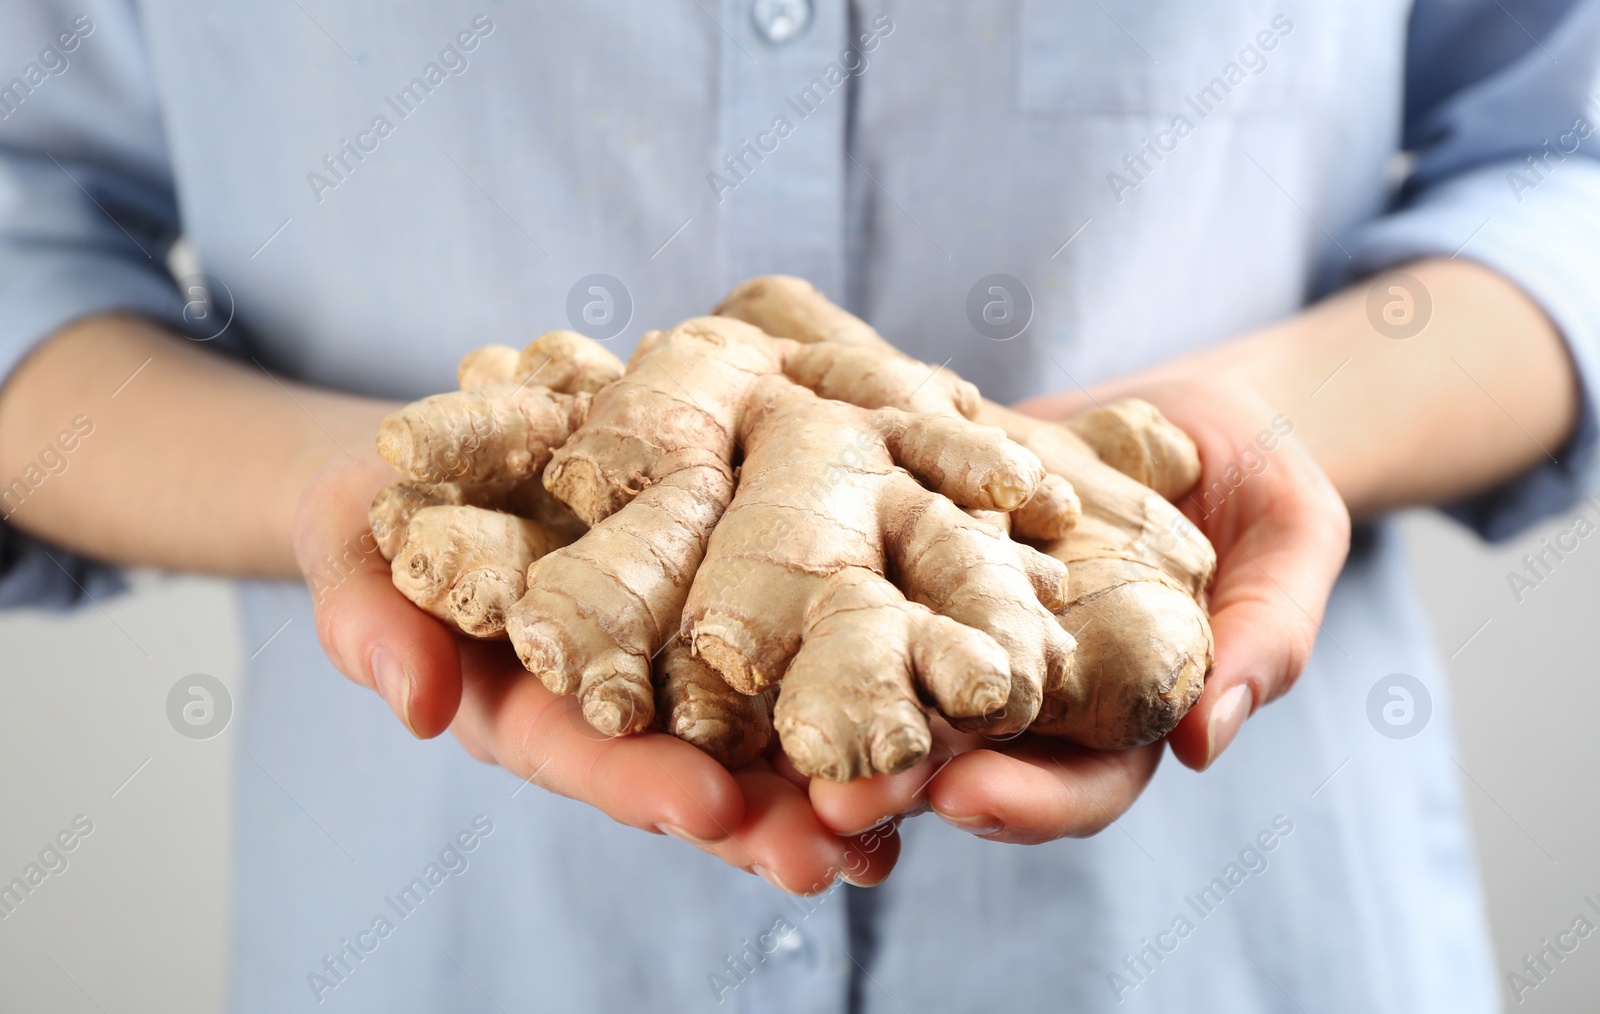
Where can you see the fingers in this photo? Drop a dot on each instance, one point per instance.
(1254, 654)
(370, 631)
(1282, 540)
(1037, 791)
(870, 857)
(1267, 621)
(644, 781)
(783, 842)
(849, 807)
(1040, 789)
(854, 808)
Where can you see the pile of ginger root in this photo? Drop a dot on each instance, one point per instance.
(772, 521)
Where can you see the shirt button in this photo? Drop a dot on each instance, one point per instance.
(778, 21)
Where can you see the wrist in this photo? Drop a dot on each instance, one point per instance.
(1480, 392)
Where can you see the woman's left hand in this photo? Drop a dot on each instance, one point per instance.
(1281, 534)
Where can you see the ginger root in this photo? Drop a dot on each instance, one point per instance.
(467, 564)
(651, 469)
(462, 530)
(773, 521)
(780, 596)
(1137, 568)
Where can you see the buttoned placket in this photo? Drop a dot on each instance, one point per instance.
(779, 177)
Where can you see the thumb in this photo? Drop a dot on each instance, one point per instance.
(371, 632)
(1271, 589)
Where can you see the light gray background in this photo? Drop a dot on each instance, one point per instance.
(137, 922)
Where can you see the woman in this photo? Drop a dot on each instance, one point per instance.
(1162, 190)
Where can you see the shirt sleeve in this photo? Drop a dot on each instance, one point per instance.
(1503, 123)
(87, 215)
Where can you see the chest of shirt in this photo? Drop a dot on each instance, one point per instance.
(1153, 175)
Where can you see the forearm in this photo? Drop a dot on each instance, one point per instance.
(1484, 392)
(195, 463)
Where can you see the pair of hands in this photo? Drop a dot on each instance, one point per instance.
(1281, 536)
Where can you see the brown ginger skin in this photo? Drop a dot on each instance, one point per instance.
(566, 361)
(393, 508)
(968, 623)
(651, 471)
(466, 565)
(563, 361)
(697, 705)
(781, 597)
(499, 432)
(465, 559)
(1131, 436)
(1137, 569)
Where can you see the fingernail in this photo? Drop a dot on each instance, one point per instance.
(682, 835)
(980, 824)
(772, 878)
(393, 684)
(1226, 720)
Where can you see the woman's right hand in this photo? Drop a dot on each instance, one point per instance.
(758, 819)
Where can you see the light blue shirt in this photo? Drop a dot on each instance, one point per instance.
(374, 189)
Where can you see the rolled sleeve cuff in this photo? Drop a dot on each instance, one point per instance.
(49, 289)
(1543, 235)
(36, 576)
